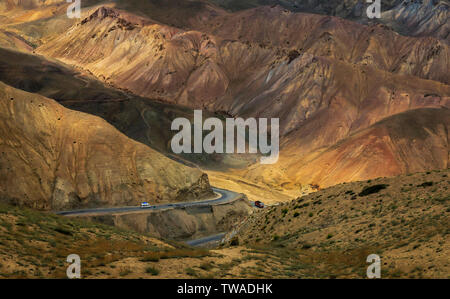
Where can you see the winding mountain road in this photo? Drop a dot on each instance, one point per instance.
(205, 240)
(226, 196)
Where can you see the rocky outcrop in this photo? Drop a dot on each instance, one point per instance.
(52, 158)
(420, 18)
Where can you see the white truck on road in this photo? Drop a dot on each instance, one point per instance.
(145, 205)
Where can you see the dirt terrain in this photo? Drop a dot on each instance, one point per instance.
(327, 234)
(36, 244)
(404, 219)
(266, 194)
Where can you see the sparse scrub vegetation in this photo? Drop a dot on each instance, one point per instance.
(191, 272)
(384, 222)
(151, 270)
(372, 189)
(325, 235)
(43, 241)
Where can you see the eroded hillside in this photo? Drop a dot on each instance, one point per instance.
(412, 141)
(324, 77)
(416, 18)
(55, 158)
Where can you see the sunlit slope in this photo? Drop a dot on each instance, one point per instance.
(413, 141)
(55, 158)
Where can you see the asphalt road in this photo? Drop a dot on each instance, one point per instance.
(225, 197)
(205, 240)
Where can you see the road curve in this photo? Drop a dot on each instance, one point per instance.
(205, 240)
(226, 196)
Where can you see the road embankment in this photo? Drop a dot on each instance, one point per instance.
(181, 223)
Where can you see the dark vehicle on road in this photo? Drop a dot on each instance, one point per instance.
(259, 204)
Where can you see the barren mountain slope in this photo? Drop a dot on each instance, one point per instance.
(347, 41)
(341, 8)
(324, 77)
(268, 30)
(416, 140)
(30, 10)
(34, 20)
(413, 141)
(7, 5)
(24, 25)
(321, 95)
(420, 18)
(14, 41)
(177, 13)
(403, 219)
(201, 71)
(416, 18)
(141, 119)
(55, 158)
